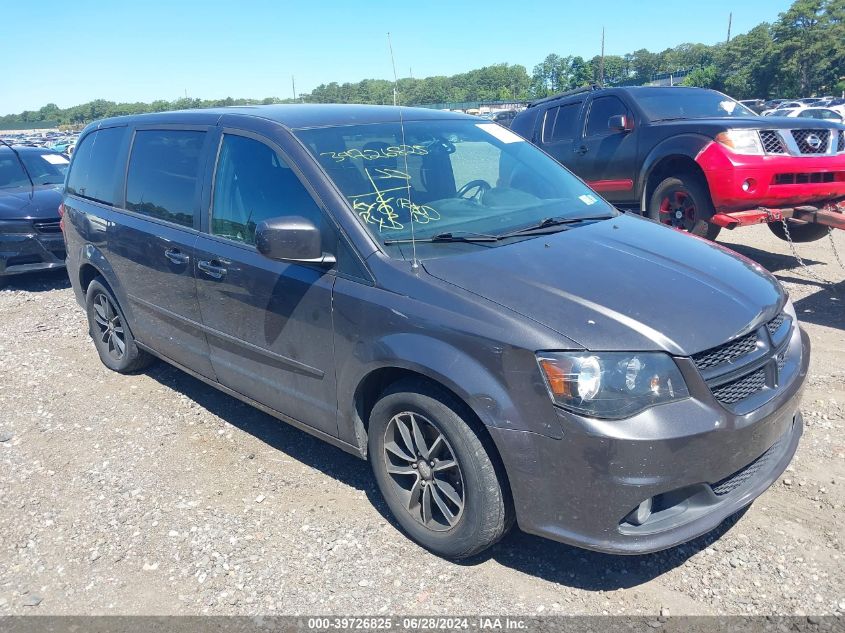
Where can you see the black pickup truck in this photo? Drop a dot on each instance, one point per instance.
(693, 158)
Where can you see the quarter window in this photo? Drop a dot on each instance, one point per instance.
(253, 183)
(602, 109)
(163, 174)
(96, 165)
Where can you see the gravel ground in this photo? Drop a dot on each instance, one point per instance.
(154, 494)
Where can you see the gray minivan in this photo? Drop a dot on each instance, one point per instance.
(431, 292)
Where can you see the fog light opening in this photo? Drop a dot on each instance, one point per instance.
(641, 513)
(748, 184)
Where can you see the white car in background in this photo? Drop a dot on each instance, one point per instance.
(786, 105)
(826, 114)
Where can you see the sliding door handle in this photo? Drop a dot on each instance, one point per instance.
(211, 269)
(176, 256)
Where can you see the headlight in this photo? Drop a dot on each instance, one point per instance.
(741, 141)
(16, 226)
(611, 385)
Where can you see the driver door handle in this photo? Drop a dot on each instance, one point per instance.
(211, 268)
(582, 150)
(176, 256)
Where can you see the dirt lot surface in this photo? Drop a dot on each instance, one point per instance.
(154, 494)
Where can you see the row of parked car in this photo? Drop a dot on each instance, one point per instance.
(827, 108)
(58, 141)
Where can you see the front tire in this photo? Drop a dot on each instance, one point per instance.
(684, 203)
(108, 328)
(799, 232)
(438, 478)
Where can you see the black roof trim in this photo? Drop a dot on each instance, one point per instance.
(588, 88)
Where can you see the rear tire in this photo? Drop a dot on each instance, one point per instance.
(468, 504)
(799, 232)
(683, 202)
(110, 332)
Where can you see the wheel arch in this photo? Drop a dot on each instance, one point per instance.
(379, 380)
(676, 154)
(93, 264)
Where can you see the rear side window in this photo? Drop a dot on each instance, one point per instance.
(253, 183)
(564, 123)
(97, 164)
(602, 109)
(163, 174)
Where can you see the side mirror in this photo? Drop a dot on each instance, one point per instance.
(619, 123)
(291, 238)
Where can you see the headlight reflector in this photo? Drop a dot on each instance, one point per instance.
(741, 141)
(611, 385)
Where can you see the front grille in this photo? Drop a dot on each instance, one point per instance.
(812, 141)
(840, 147)
(774, 325)
(804, 178)
(726, 353)
(741, 388)
(746, 474)
(747, 351)
(771, 142)
(47, 226)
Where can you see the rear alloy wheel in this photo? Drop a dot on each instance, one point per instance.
(439, 478)
(684, 204)
(112, 337)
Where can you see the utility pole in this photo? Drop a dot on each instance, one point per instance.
(601, 64)
(730, 19)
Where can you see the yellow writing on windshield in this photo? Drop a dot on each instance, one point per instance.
(379, 206)
(392, 151)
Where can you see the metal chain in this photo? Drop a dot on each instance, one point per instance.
(833, 248)
(797, 257)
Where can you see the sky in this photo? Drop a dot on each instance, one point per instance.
(56, 51)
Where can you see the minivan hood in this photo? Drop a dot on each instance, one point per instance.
(40, 202)
(624, 284)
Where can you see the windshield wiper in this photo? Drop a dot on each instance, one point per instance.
(670, 118)
(555, 224)
(455, 236)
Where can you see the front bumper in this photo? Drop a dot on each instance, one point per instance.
(30, 252)
(580, 489)
(775, 181)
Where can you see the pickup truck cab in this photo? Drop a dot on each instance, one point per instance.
(684, 155)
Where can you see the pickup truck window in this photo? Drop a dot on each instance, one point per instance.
(601, 110)
(560, 122)
(670, 104)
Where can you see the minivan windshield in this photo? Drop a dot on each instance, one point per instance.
(670, 104)
(455, 179)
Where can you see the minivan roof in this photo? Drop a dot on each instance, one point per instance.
(293, 116)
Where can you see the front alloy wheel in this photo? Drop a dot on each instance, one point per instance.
(437, 469)
(684, 203)
(424, 471)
